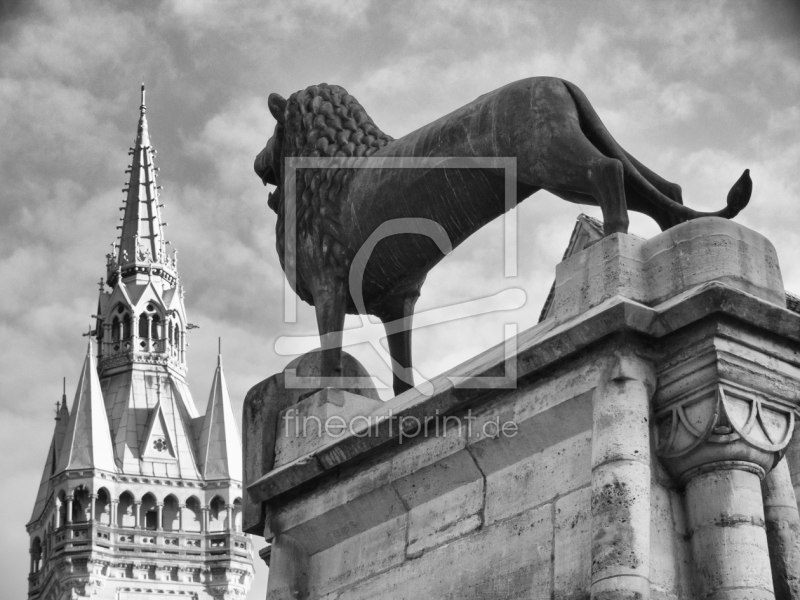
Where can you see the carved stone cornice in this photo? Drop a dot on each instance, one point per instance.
(727, 398)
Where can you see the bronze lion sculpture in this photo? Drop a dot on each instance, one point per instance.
(547, 124)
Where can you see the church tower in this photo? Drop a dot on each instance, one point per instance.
(140, 495)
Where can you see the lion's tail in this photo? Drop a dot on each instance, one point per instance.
(739, 194)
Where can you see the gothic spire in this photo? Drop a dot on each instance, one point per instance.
(62, 419)
(141, 250)
(87, 443)
(220, 448)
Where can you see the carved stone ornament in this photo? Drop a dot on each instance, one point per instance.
(722, 423)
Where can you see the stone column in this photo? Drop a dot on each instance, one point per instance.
(137, 505)
(719, 441)
(621, 480)
(68, 516)
(114, 509)
(288, 570)
(92, 507)
(204, 519)
(160, 516)
(135, 334)
(229, 515)
(726, 517)
(150, 332)
(181, 507)
(783, 531)
(58, 513)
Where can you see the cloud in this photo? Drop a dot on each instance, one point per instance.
(697, 93)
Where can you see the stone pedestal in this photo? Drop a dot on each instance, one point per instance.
(320, 418)
(650, 415)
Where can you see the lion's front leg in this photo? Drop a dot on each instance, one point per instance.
(330, 303)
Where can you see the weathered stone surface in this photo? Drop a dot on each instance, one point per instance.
(652, 271)
(783, 531)
(509, 560)
(610, 520)
(572, 555)
(262, 406)
(670, 554)
(358, 557)
(524, 485)
(325, 415)
(726, 521)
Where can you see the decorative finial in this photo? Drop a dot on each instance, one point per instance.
(102, 284)
(89, 334)
(142, 108)
(219, 351)
(158, 388)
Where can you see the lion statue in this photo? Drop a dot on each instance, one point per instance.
(546, 124)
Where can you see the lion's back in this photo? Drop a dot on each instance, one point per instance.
(490, 124)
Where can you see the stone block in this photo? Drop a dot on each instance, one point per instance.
(445, 516)
(573, 540)
(358, 557)
(681, 258)
(669, 554)
(524, 485)
(314, 421)
(510, 560)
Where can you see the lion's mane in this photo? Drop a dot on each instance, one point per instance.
(324, 120)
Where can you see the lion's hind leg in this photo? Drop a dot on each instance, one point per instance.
(573, 169)
(397, 313)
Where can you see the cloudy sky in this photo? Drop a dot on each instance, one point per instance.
(696, 91)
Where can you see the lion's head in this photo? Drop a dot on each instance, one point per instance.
(321, 120)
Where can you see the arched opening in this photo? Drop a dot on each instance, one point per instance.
(81, 505)
(102, 507)
(115, 330)
(193, 516)
(126, 327)
(237, 515)
(216, 514)
(144, 330)
(36, 555)
(170, 514)
(125, 515)
(61, 517)
(157, 334)
(149, 512)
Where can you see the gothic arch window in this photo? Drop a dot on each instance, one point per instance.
(216, 514)
(125, 515)
(102, 507)
(237, 515)
(157, 333)
(80, 505)
(115, 330)
(193, 517)
(36, 555)
(144, 328)
(126, 326)
(170, 514)
(149, 512)
(62, 509)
